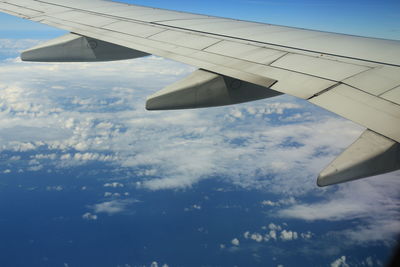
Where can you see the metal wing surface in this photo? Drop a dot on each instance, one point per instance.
(355, 77)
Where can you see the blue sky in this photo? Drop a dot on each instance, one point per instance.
(367, 18)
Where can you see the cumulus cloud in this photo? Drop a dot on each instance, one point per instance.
(113, 185)
(369, 200)
(12, 47)
(257, 237)
(109, 194)
(272, 235)
(340, 262)
(274, 227)
(51, 156)
(92, 157)
(89, 216)
(277, 233)
(113, 207)
(306, 235)
(30, 134)
(371, 261)
(235, 242)
(103, 111)
(277, 145)
(287, 201)
(268, 203)
(246, 235)
(288, 235)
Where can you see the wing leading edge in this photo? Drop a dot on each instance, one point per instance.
(355, 77)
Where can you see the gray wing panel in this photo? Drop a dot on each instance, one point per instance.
(393, 95)
(368, 49)
(372, 112)
(290, 82)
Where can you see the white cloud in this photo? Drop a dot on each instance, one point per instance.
(65, 157)
(55, 188)
(170, 183)
(340, 262)
(306, 235)
(288, 235)
(31, 134)
(113, 206)
(91, 117)
(12, 47)
(288, 201)
(155, 264)
(277, 145)
(113, 185)
(52, 156)
(273, 226)
(89, 216)
(370, 200)
(109, 194)
(235, 242)
(334, 211)
(272, 234)
(257, 237)
(268, 203)
(275, 232)
(246, 235)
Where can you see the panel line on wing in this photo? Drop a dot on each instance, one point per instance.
(283, 46)
(297, 84)
(325, 90)
(207, 47)
(304, 48)
(169, 20)
(355, 77)
(236, 38)
(363, 108)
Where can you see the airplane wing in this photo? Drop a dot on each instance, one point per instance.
(355, 77)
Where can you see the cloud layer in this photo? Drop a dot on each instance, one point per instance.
(66, 115)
